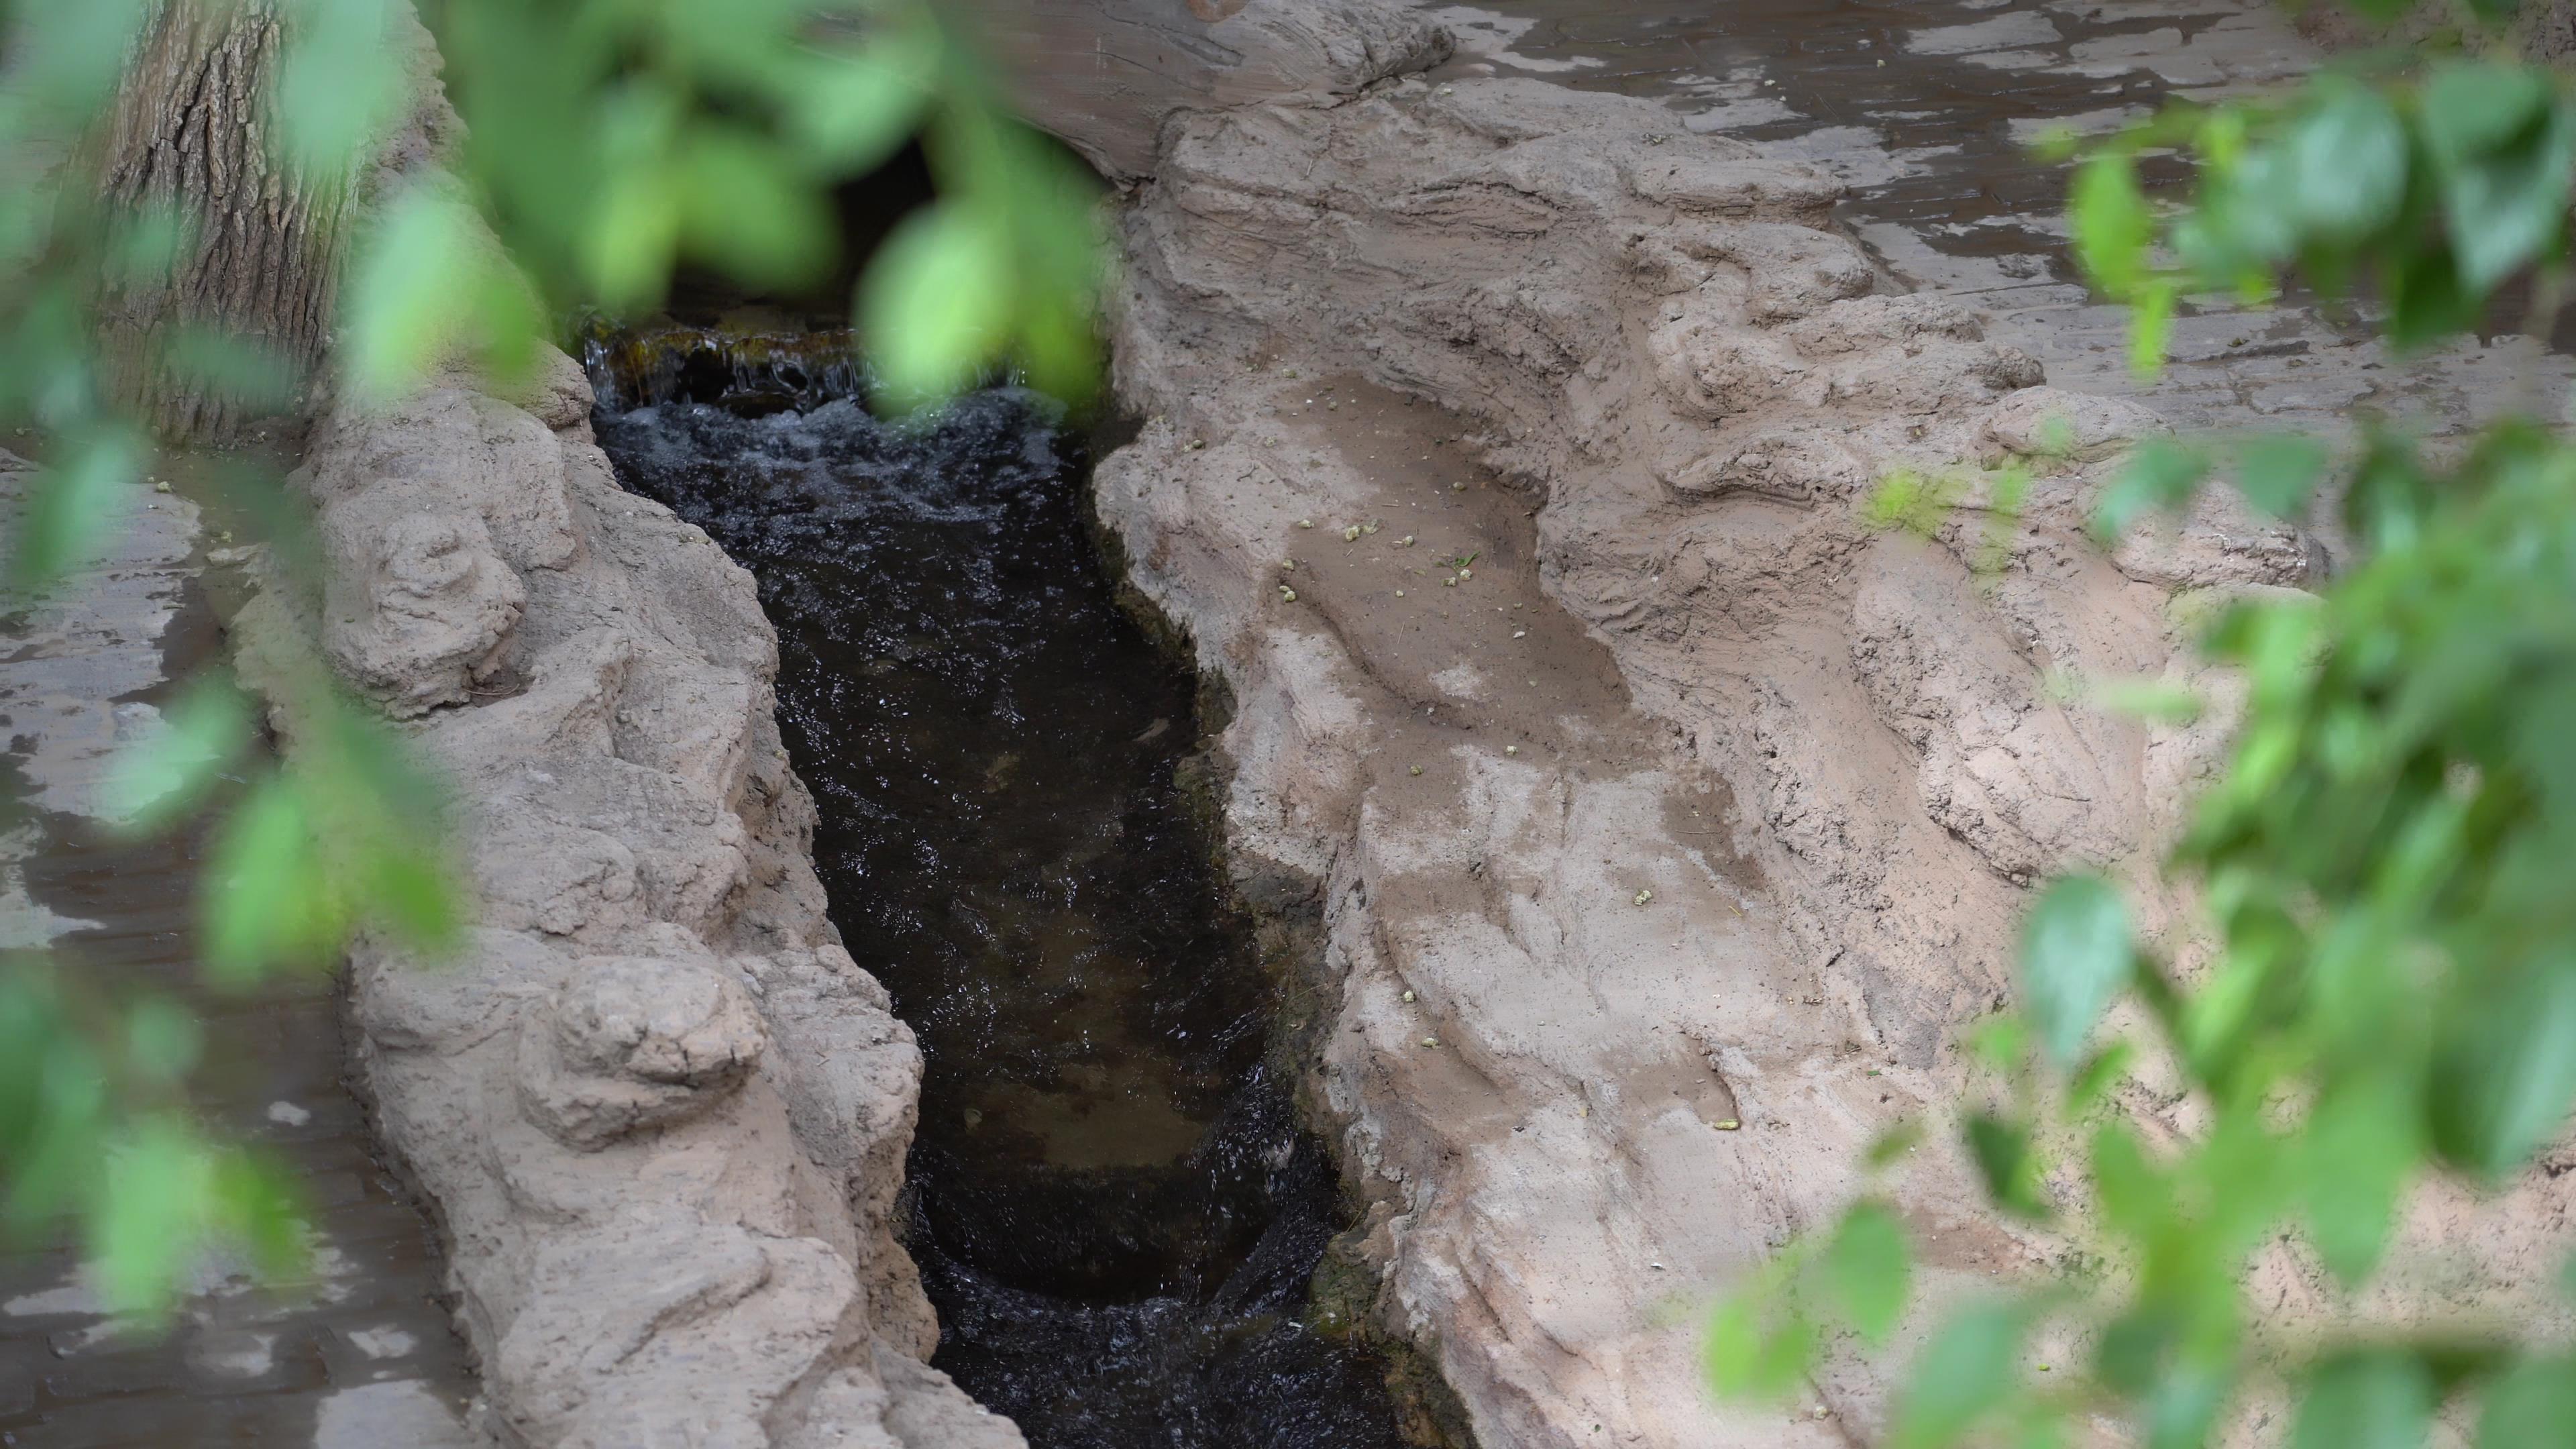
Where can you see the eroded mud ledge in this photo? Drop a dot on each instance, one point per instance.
(659, 1114)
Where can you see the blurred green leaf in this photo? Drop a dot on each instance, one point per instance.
(937, 300)
(411, 291)
(269, 901)
(1917, 502)
(162, 1041)
(2505, 154)
(60, 1155)
(2365, 1141)
(2133, 1195)
(2183, 1406)
(2389, 496)
(2381, 1400)
(74, 506)
(2002, 1153)
(2505, 1087)
(2476, 107)
(2043, 1427)
(858, 110)
(2277, 471)
(1869, 1270)
(1759, 1344)
(2114, 226)
(632, 238)
(70, 55)
(2159, 700)
(2099, 1076)
(2000, 1043)
(1891, 1146)
(341, 85)
(140, 250)
(252, 375)
(2427, 303)
(2160, 474)
(150, 1227)
(2347, 161)
(2531, 1407)
(412, 892)
(167, 772)
(747, 208)
(1965, 1376)
(257, 1207)
(2076, 955)
(2151, 328)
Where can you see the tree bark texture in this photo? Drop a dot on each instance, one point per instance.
(191, 133)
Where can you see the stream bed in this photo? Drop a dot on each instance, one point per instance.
(1113, 1205)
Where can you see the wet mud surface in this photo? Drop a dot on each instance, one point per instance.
(1927, 111)
(1931, 114)
(361, 1355)
(1113, 1206)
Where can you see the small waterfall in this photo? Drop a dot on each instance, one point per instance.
(1114, 1206)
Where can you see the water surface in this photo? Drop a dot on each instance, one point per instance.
(1113, 1206)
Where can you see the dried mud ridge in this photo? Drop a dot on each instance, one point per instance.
(659, 1114)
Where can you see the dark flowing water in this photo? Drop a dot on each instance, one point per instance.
(1113, 1206)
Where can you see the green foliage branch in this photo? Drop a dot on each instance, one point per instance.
(608, 144)
(2385, 988)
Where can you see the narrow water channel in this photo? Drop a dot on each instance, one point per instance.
(1114, 1208)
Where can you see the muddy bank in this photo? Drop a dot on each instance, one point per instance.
(659, 1113)
(1665, 820)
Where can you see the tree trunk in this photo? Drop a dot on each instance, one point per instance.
(191, 134)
